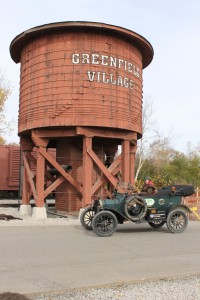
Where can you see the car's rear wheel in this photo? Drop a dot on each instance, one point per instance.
(104, 223)
(86, 218)
(177, 221)
(157, 224)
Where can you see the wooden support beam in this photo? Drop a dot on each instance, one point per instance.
(116, 170)
(31, 158)
(26, 193)
(111, 169)
(30, 176)
(126, 161)
(39, 142)
(67, 176)
(106, 133)
(54, 133)
(105, 171)
(54, 185)
(40, 179)
(133, 149)
(87, 171)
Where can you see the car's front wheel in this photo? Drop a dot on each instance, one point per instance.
(104, 223)
(177, 221)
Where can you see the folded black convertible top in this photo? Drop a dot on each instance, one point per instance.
(180, 190)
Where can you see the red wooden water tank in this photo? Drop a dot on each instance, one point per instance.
(81, 74)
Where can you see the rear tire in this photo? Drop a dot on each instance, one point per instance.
(104, 223)
(177, 221)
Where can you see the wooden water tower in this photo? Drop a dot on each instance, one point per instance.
(80, 94)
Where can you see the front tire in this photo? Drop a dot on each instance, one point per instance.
(86, 218)
(177, 221)
(104, 223)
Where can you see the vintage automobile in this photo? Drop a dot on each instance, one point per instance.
(164, 207)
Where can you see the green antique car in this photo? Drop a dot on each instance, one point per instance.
(165, 206)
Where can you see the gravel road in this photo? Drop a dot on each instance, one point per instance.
(187, 288)
(29, 221)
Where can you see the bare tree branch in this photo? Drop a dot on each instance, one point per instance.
(5, 91)
(149, 133)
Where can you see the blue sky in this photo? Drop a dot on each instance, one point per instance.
(173, 29)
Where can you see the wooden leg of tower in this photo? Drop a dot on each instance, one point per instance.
(25, 207)
(125, 161)
(133, 149)
(26, 147)
(87, 172)
(40, 170)
(25, 190)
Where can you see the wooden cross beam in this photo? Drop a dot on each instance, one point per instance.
(113, 168)
(113, 180)
(30, 176)
(54, 185)
(67, 176)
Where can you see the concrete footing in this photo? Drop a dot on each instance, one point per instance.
(25, 210)
(39, 213)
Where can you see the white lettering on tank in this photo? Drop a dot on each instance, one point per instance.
(131, 84)
(130, 67)
(113, 62)
(85, 58)
(98, 76)
(104, 79)
(75, 58)
(120, 63)
(95, 59)
(111, 79)
(120, 81)
(104, 60)
(91, 75)
(126, 82)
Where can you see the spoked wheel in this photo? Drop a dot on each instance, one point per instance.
(104, 223)
(177, 221)
(157, 224)
(86, 218)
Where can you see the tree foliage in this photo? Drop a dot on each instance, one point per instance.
(157, 158)
(2, 141)
(167, 166)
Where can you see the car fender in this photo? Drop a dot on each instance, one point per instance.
(180, 206)
(117, 214)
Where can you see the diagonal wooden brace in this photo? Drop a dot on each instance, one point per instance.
(30, 176)
(54, 185)
(113, 168)
(105, 171)
(67, 176)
